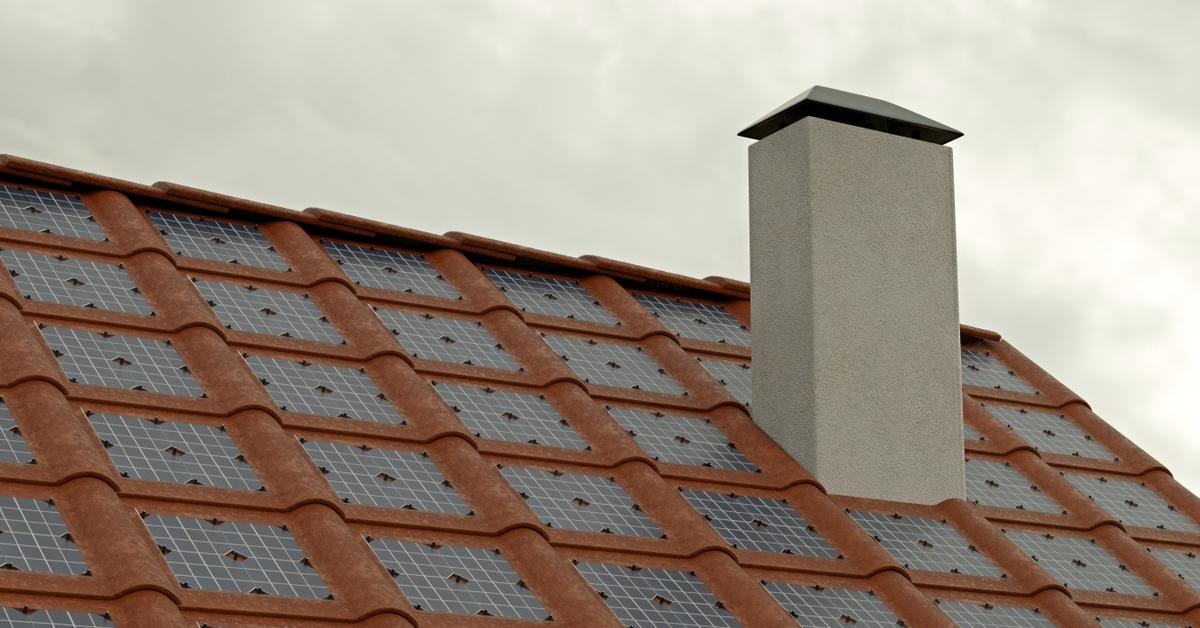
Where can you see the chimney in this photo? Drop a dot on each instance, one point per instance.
(855, 305)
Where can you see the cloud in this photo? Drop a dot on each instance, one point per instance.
(608, 128)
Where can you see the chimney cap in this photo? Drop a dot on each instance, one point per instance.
(855, 110)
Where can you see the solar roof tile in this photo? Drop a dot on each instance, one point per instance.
(817, 606)
(33, 537)
(552, 296)
(39, 211)
(443, 578)
(101, 358)
(13, 447)
(390, 270)
(645, 597)
(613, 364)
(73, 281)
(1079, 562)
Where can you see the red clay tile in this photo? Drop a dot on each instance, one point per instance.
(132, 581)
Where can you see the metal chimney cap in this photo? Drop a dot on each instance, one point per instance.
(855, 110)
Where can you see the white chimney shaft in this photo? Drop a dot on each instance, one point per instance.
(855, 296)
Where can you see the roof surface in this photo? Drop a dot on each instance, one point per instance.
(224, 413)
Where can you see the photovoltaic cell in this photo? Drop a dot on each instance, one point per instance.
(926, 544)
(1132, 503)
(973, 615)
(817, 606)
(430, 337)
(263, 311)
(230, 556)
(12, 445)
(1050, 433)
(173, 451)
(27, 617)
(970, 434)
(999, 484)
(33, 537)
(130, 362)
(510, 416)
(78, 282)
(734, 376)
(552, 296)
(390, 270)
(760, 524)
(694, 319)
(218, 241)
(324, 389)
(1079, 563)
(574, 501)
(1184, 564)
(681, 440)
(47, 212)
(644, 597)
(611, 364)
(1128, 623)
(389, 478)
(980, 368)
(457, 579)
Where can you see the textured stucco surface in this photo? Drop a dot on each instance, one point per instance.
(855, 306)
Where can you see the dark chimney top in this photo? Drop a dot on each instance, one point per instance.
(855, 110)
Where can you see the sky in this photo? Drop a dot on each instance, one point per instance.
(609, 128)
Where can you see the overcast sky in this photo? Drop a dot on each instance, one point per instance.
(609, 128)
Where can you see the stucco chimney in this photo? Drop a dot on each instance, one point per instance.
(855, 304)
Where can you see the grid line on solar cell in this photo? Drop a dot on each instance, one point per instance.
(33, 537)
(1131, 502)
(510, 416)
(611, 364)
(235, 557)
(760, 524)
(47, 212)
(734, 376)
(390, 270)
(926, 544)
(1079, 563)
(39, 617)
(13, 447)
(645, 597)
(1184, 564)
(323, 389)
(817, 606)
(694, 319)
(389, 478)
(457, 579)
(681, 440)
(552, 296)
(262, 311)
(1050, 433)
(574, 501)
(430, 337)
(999, 484)
(78, 282)
(972, 615)
(173, 451)
(130, 362)
(218, 241)
(982, 369)
(1124, 623)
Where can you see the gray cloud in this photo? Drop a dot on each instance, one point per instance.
(608, 128)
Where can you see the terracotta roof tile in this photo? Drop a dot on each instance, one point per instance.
(326, 406)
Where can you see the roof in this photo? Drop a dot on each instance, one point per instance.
(226, 413)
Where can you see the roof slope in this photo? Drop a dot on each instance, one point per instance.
(226, 413)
